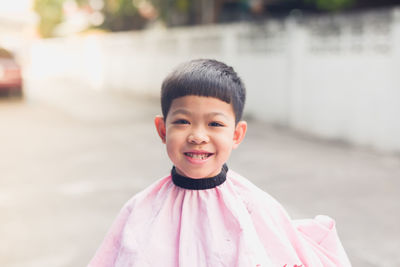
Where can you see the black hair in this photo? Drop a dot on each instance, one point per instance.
(204, 77)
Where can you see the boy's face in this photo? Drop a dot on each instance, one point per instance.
(200, 133)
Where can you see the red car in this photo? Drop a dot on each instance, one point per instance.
(10, 74)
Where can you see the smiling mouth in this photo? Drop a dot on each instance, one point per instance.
(198, 155)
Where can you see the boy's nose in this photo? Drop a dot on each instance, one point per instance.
(198, 138)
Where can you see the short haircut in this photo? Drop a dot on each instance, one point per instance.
(204, 77)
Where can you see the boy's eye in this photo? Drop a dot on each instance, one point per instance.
(181, 121)
(215, 124)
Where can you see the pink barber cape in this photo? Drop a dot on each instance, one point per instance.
(233, 224)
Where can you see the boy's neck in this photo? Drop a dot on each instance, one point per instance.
(199, 184)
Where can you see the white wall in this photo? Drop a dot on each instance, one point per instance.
(332, 76)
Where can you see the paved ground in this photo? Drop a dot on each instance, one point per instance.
(70, 158)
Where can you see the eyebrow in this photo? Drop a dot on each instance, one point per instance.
(186, 112)
(181, 111)
(217, 114)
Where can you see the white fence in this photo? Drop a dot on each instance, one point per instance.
(336, 77)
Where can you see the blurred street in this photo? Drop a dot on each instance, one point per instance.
(70, 158)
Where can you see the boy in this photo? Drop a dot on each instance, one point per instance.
(204, 214)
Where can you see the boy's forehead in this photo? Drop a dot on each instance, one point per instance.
(200, 104)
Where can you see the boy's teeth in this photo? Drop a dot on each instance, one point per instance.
(197, 156)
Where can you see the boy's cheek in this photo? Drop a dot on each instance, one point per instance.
(172, 136)
(172, 143)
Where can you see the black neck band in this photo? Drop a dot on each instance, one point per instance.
(199, 184)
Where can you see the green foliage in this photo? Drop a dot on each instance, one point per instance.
(121, 15)
(331, 5)
(182, 5)
(168, 8)
(50, 13)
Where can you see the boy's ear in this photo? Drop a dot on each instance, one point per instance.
(240, 132)
(160, 127)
